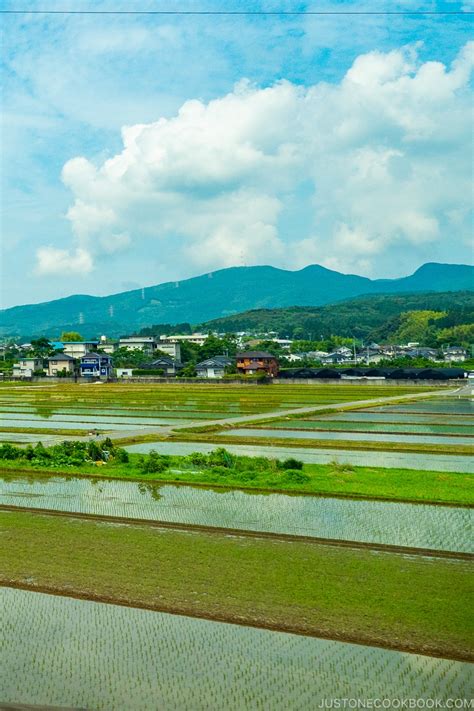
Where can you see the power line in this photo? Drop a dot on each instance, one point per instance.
(247, 13)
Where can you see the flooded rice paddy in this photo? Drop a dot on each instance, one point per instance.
(367, 436)
(400, 524)
(105, 657)
(451, 406)
(387, 427)
(309, 455)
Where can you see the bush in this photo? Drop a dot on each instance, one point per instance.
(296, 476)
(94, 451)
(40, 452)
(8, 451)
(197, 459)
(107, 444)
(155, 463)
(291, 464)
(121, 455)
(220, 457)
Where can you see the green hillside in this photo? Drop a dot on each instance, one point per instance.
(219, 294)
(431, 318)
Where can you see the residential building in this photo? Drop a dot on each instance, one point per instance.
(77, 349)
(253, 362)
(283, 342)
(109, 348)
(337, 357)
(294, 357)
(213, 367)
(169, 366)
(370, 355)
(139, 343)
(171, 349)
(96, 365)
(198, 338)
(429, 353)
(149, 344)
(60, 363)
(26, 367)
(455, 354)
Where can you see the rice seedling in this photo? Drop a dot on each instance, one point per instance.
(106, 657)
(413, 525)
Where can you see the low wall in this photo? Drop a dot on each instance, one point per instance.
(246, 383)
(369, 381)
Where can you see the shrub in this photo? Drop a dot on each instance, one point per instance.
(40, 452)
(94, 451)
(220, 457)
(291, 464)
(155, 463)
(121, 455)
(8, 451)
(198, 459)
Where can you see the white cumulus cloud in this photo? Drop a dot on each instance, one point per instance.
(334, 173)
(63, 262)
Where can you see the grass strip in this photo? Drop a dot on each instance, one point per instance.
(385, 599)
(46, 431)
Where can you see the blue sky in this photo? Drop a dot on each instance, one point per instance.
(342, 140)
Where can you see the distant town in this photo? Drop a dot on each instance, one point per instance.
(211, 356)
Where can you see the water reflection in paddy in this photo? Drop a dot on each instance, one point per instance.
(354, 426)
(420, 525)
(453, 406)
(57, 650)
(349, 436)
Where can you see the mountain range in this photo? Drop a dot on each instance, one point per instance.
(218, 294)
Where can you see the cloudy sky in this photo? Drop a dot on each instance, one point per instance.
(141, 148)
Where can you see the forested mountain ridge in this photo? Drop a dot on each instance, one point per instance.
(218, 294)
(430, 318)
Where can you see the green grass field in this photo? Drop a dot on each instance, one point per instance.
(228, 399)
(386, 599)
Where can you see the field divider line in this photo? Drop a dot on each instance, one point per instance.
(247, 533)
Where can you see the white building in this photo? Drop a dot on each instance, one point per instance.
(171, 349)
(139, 343)
(197, 338)
(213, 367)
(78, 349)
(26, 367)
(124, 372)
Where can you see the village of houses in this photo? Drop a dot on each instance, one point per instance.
(94, 359)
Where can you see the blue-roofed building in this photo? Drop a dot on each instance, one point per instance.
(96, 365)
